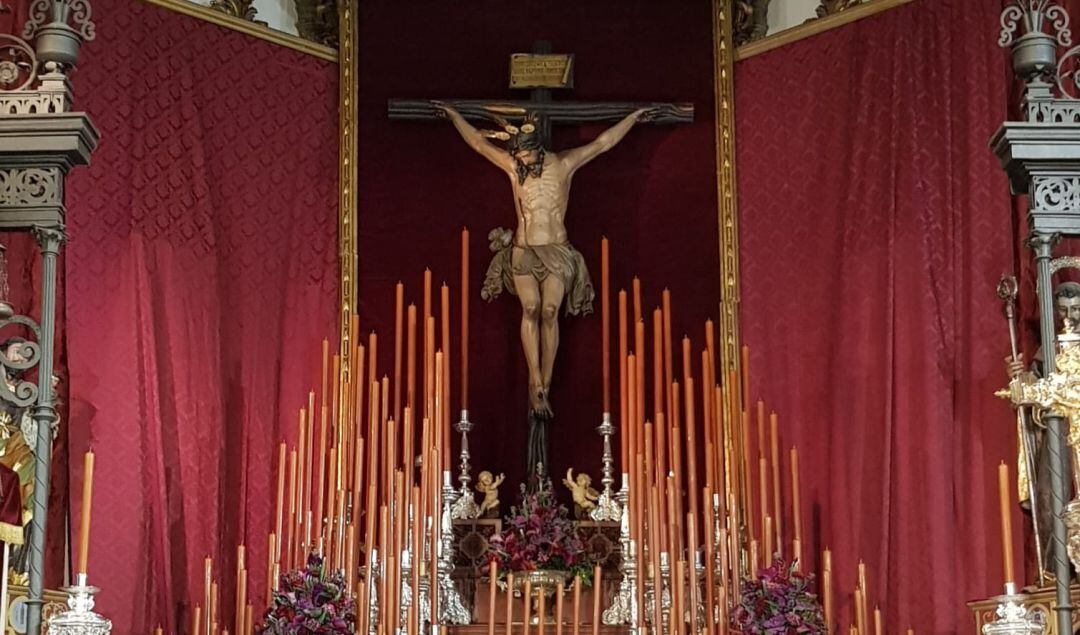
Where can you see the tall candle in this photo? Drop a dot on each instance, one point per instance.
(560, 591)
(1006, 522)
(658, 362)
(796, 506)
(746, 376)
(526, 612)
(493, 578)
(399, 327)
(598, 579)
(624, 429)
(605, 321)
(464, 319)
(410, 359)
(636, 287)
(668, 355)
(84, 523)
(279, 506)
(577, 605)
(778, 512)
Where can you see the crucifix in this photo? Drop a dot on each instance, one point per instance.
(536, 262)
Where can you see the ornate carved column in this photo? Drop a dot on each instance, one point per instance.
(40, 141)
(1041, 155)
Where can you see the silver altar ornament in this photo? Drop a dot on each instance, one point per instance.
(465, 507)
(607, 506)
(80, 618)
(451, 609)
(1013, 617)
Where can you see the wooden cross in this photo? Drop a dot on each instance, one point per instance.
(541, 107)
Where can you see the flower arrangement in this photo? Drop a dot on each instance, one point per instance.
(540, 535)
(310, 602)
(779, 602)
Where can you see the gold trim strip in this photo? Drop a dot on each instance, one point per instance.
(259, 31)
(727, 204)
(815, 27)
(347, 124)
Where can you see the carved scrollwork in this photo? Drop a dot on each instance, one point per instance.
(1034, 14)
(31, 186)
(243, 9)
(21, 393)
(830, 7)
(44, 12)
(1055, 194)
(18, 65)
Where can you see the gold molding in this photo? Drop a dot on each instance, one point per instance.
(348, 115)
(259, 31)
(727, 203)
(815, 27)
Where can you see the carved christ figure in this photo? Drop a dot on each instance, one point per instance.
(536, 261)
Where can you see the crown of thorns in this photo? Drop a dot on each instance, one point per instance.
(523, 137)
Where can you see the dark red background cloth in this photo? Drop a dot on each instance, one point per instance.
(653, 195)
(202, 274)
(875, 224)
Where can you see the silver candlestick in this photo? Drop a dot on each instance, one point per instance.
(451, 608)
(465, 507)
(624, 609)
(1013, 617)
(80, 618)
(607, 507)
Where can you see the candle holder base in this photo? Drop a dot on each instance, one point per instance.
(607, 507)
(1013, 617)
(80, 618)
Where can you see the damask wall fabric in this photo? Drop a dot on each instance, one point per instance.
(875, 224)
(201, 277)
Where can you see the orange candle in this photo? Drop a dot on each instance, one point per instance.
(776, 509)
(796, 506)
(1006, 522)
(753, 559)
(509, 604)
(624, 429)
(241, 599)
(598, 579)
(527, 614)
(605, 321)
(691, 446)
(767, 534)
(84, 523)
(279, 503)
(445, 395)
(668, 370)
(860, 623)
(763, 497)
(636, 287)
(272, 540)
(465, 319)
(196, 621)
(577, 605)
(541, 613)
(658, 362)
(399, 326)
(493, 577)
(560, 591)
(745, 375)
(877, 621)
(410, 359)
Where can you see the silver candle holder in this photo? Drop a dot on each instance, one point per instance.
(80, 618)
(1013, 617)
(607, 506)
(624, 609)
(451, 608)
(465, 507)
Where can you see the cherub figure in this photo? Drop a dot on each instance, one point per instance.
(488, 485)
(584, 495)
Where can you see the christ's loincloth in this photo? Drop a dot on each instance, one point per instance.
(541, 261)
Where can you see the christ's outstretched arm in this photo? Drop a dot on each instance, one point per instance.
(476, 139)
(574, 159)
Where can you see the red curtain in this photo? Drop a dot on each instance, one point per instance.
(201, 275)
(874, 225)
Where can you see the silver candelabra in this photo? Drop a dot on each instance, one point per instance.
(80, 618)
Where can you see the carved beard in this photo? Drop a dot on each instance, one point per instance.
(525, 170)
